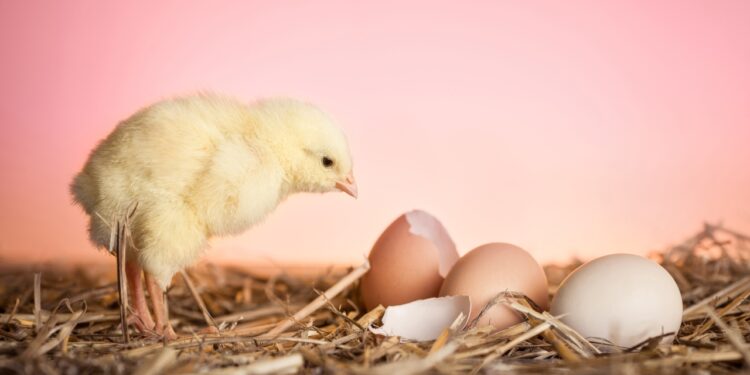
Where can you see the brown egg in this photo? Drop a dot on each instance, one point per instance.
(409, 261)
(493, 268)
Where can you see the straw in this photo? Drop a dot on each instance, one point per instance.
(70, 321)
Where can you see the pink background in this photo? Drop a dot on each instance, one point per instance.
(568, 128)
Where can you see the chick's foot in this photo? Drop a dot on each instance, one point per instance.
(142, 317)
(161, 314)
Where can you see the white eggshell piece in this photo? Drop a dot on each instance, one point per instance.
(622, 298)
(423, 320)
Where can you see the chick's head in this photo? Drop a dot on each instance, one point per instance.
(313, 148)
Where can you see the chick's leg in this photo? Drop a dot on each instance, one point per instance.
(142, 319)
(160, 309)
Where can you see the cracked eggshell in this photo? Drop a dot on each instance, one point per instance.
(423, 320)
(408, 262)
(622, 298)
(491, 269)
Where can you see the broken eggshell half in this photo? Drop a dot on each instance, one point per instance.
(424, 320)
(408, 261)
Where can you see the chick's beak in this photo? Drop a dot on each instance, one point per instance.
(348, 186)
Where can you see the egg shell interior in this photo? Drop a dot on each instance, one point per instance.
(424, 320)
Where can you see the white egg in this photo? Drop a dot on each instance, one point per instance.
(622, 298)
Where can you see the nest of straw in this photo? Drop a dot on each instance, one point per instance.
(69, 322)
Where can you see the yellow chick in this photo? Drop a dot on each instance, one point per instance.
(202, 166)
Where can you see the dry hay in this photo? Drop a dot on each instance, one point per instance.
(69, 322)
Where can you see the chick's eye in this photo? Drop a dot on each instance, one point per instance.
(327, 162)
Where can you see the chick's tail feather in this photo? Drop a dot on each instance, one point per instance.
(83, 191)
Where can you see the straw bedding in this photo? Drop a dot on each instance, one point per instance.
(68, 322)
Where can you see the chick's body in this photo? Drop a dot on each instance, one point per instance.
(202, 166)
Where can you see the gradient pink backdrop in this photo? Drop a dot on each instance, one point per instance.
(569, 128)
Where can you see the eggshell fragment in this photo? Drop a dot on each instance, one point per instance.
(493, 268)
(622, 298)
(423, 320)
(408, 262)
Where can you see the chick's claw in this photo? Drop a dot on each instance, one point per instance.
(168, 333)
(140, 325)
